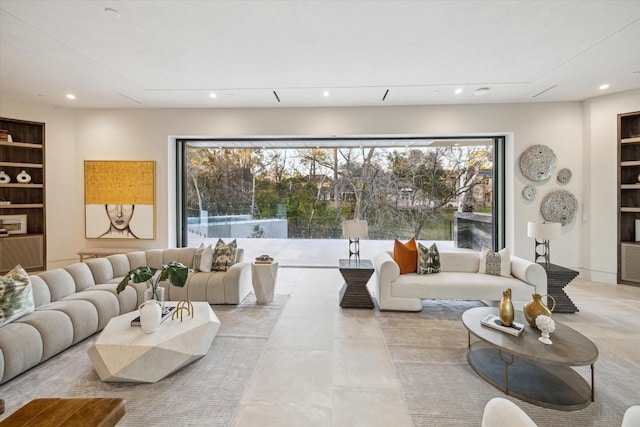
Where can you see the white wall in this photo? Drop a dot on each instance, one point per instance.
(599, 253)
(139, 134)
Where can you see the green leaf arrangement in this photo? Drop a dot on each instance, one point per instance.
(175, 272)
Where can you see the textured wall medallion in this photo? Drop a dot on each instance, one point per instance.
(538, 162)
(559, 206)
(529, 192)
(564, 176)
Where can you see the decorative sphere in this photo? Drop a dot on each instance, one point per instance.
(545, 323)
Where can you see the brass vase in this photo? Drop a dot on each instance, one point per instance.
(506, 308)
(536, 307)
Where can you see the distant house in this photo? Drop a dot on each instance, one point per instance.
(483, 188)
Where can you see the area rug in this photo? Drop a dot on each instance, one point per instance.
(428, 350)
(204, 393)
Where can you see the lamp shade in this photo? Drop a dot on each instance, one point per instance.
(354, 229)
(544, 230)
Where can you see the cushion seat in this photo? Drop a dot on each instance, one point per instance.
(105, 303)
(83, 315)
(55, 328)
(20, 347)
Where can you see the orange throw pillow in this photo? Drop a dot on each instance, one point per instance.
(406, 255)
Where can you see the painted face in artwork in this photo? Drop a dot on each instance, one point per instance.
(120, 215)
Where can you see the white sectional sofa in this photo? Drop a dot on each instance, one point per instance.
(74, 302)
(458, 279)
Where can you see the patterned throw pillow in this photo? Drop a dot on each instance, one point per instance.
(16, 295)
(428, 259)
(224, 255)
(406, 255)
(496, 263)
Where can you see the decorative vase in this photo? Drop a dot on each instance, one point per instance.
(535, 308)
(156, 293)
(4, 178)
(23, 177)
(150, 316)
(506, 308)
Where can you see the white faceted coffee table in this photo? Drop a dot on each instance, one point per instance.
(123, 353)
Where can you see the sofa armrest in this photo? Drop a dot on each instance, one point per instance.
(529, 272)
(237, 283)
(386, 273)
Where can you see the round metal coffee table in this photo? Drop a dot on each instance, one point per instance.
(529, 370)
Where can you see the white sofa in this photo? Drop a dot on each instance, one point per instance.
(458, 279)
(75, 302)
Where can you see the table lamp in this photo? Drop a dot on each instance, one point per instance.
(354, 230)
(542, 232)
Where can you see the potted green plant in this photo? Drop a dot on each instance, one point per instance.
(175, 272)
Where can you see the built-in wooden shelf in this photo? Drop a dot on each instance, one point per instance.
(28, 199)
(629, 198)
(22, 206)
(21, 145)
(21, 165)
(11, 185)
(630, 140)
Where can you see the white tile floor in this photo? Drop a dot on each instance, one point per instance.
(321, 362)
(327, 366)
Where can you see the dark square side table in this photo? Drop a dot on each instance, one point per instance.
(557, 278)
(354, 292)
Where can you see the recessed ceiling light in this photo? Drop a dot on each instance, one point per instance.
(481, 91)
(325, 93)
(458, 91)
(112, 12)
(213, 95)
(604, 86)
(71, 96)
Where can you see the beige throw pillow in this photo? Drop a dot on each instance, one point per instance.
(16, 295)
(496, 263)
(206, 259)
(197, 256)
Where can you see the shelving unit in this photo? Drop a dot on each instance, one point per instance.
(25, 152)
(629, 198)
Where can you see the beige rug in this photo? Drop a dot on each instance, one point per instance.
(204, 393)
(428, 350)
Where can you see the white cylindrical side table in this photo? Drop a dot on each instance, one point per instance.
(263, 277)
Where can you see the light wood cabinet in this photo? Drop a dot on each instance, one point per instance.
(25, 152)
(629, 198)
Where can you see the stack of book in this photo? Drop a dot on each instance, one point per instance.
(168, 311)
(493, 321)
(264, 259)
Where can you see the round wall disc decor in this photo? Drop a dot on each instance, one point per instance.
(529, 192)
(538, 162)
(559, 206)
(564, 176)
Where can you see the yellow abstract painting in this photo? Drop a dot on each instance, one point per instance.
(119, 199)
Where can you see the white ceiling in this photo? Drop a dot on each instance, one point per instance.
(172, 54)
